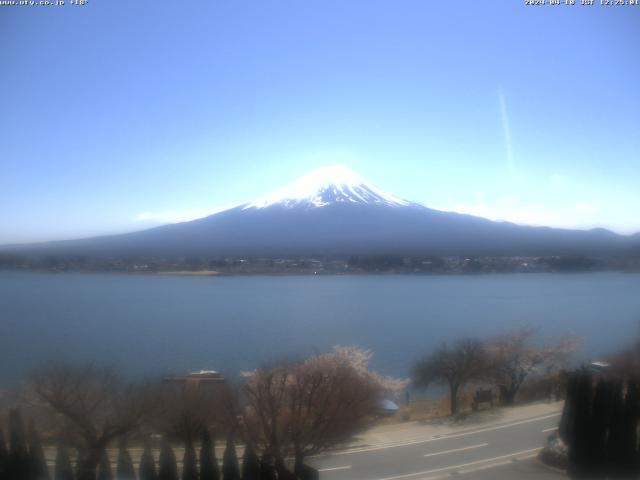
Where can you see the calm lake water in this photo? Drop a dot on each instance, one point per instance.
(155, 324)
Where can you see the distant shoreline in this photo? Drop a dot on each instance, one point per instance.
(214, 273)
(339, 265)
(190, 273)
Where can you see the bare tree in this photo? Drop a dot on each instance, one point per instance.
(89, 407)
(266, 391)
(306, 407)
(230, 419)
(514, 357)
(454, 366)
(184, 412)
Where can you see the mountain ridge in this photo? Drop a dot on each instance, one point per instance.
(335, 212)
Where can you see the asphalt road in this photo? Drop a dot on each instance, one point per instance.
(505, 451)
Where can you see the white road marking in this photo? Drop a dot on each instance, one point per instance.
(477, 469)
(496, 464)
(346, 467)
(462, 465)
(471, 447)
(549, 429)
(442, 437)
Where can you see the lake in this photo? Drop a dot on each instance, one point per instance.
(147, 324)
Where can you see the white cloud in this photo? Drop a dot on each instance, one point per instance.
(512, 209)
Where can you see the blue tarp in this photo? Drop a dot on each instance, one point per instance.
(387, 406)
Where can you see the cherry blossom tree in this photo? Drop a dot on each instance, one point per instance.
(302, 408)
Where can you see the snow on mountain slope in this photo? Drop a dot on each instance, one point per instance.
(325, 186)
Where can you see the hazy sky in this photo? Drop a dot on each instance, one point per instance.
(121, 114)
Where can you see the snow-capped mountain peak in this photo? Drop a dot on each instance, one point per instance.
(325, 186)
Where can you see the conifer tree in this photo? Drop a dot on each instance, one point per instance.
(567, 420)
(104, 467)
(598, 428)
(63, 469)
(298, 466)
(4, 455)
(208, 463)
(37, 463)
(283, 472)
(615, 447)
(189, 466)
(578, 430)
(250, 464)
(168, 468)
(267, 471)
(630, 426)
(230, 467)
(147, 463)
(80, 464)
(18, 460)
(634, 404)
(125, 469)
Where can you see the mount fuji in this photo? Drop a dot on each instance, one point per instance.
(326, 186)
(333, 211)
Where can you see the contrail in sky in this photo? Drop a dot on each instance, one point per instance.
(506, 130)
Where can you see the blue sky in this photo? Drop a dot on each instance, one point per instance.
(122, 114)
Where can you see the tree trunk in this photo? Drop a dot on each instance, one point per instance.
(283, 473)
(298, 466)
(507, 395)
(453, 394)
